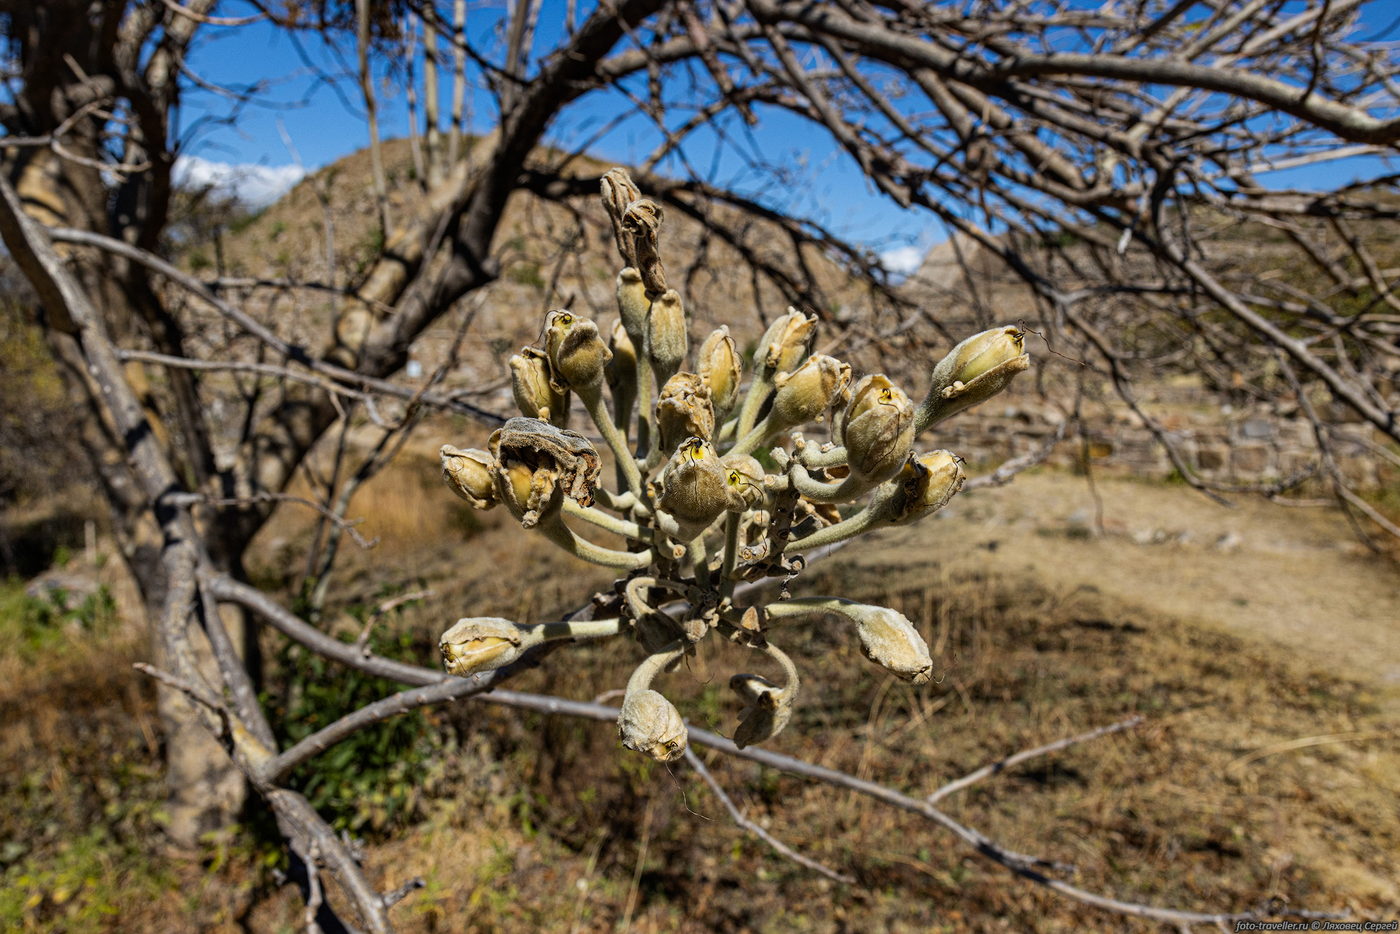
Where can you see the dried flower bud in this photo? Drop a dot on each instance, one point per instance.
(767, 709)
(787, 342)
(618, 191)
(642, 222)
(878, 429)
(468, 473)
(684, 410)
(720, 369)
(633, 304)
(744, 474)
(649, 723)
(923, 486)
(805, 393)
(481, 643)
(889, 640)
(694, 488)
(536, 393)
(666, 340)
(537, 464)
(575, 350)
(974, 371)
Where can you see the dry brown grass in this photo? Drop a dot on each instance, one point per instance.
(549, 825)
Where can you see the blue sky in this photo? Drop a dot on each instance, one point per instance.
(302, 122)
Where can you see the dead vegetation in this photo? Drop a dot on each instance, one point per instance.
(1255, 776)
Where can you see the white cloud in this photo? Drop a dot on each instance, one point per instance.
(904, 260)
(257, 186)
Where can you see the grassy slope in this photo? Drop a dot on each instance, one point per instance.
(545, 823)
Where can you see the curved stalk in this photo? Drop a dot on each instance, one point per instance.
(602, 520)
(817, 491)
(563, 536)
(862, 521)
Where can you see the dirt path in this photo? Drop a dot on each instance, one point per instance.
(1295, 577)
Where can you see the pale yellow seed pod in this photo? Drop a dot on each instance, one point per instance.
(923, 486)
(683, 410)
(804, 394)
(633, 304)
(468, 472)
(537, 394)
(721, 369)
(481, 643)
(621, 372)
(878, 429)
(538, 464)
(650, 724)
(889, 640)
(666, 340)
(694, 486)
(787, 342)
(973, 372)
(575, 350)
(744, 476)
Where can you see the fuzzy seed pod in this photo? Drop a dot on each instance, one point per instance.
(720, 369)
(468, 473)
(889, 640)
(694, 487)
(767, 709)
(805, 393)
(787, 342)
(666, 340)
(744, 474)
(633, 304)
(973, 372)
(576, 352)
(536, 392)
(621, 372)
(538, 464)
(649, 723)
(878, 428)
(481, 643)
(925, 485)
(684, 410)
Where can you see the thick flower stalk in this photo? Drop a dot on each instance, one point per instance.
(693, 510)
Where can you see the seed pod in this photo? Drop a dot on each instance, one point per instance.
(536, 392)
(767, 709)
(925, 485)
(744, 475)
(805, 393)
(787, 342)
(684, 410)
(972, 372)
(481, 643)
(538, 464)
(649, 723)
(666, 340)
(576, 352)
(621, 373)
(889, 640)
(468, 473)
(633, 304)
(694, 488)
(878, 428)
(720, 369)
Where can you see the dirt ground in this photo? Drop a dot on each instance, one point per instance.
(1296, 578)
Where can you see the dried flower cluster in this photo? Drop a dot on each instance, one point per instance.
(698, 511)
